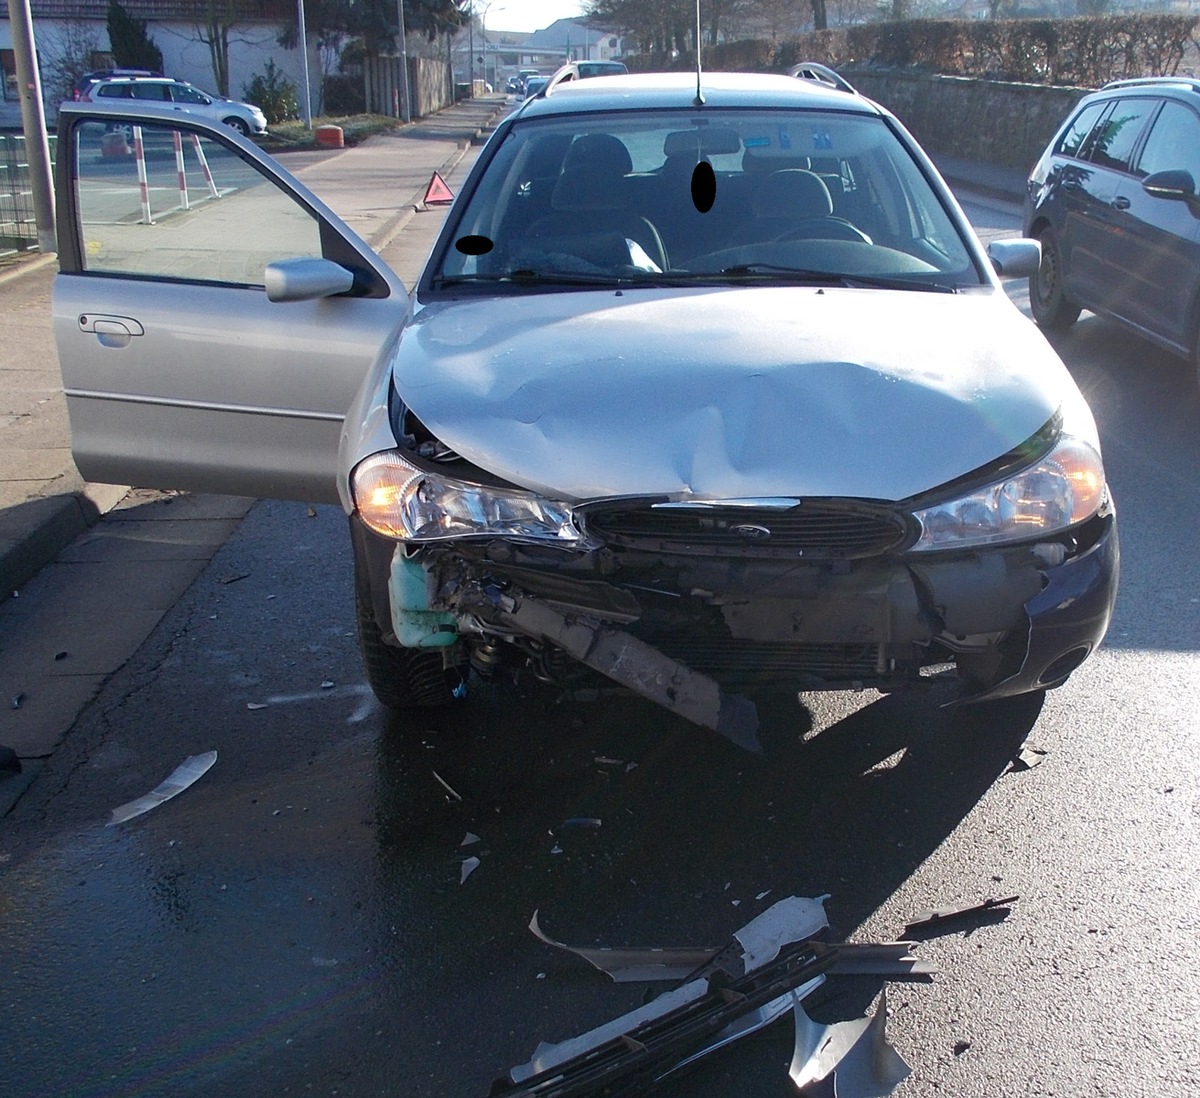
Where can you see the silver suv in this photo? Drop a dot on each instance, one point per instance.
(243, 117)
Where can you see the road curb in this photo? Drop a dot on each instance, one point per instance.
(26, 546)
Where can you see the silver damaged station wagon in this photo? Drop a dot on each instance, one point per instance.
(706, 389)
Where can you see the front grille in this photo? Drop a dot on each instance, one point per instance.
(738, 664)
(819, 530)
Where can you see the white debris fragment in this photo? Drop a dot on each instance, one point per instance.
(469, 866)
(256, 705)
(469, 839)
(446, 786)
(190, 770)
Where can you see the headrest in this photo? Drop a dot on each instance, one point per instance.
(599, 152)
(792, 193)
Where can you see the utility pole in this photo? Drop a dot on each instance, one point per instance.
(33, 122)
(405, 108)
(306, 113)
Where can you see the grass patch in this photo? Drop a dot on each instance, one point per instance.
(355, 128)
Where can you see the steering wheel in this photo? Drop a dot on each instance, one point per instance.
(824, 228)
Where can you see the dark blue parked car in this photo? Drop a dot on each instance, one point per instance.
(1115, 202)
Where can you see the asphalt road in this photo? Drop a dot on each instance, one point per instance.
(297, 921)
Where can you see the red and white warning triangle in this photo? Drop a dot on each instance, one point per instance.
(437, 193)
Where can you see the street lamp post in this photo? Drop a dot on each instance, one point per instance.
(483, 34)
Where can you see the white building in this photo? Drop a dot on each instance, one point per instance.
(72, 37)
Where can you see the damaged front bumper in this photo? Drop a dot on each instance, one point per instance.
(690, 630)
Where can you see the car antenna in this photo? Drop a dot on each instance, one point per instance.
(699, 100)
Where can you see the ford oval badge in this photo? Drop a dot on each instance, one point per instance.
(750, 532)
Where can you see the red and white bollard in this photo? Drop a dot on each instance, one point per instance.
(212, 187)
(139, 156)
(180, 174)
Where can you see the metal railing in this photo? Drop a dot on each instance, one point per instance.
(18, 226)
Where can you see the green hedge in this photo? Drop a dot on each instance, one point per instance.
(1081, 52)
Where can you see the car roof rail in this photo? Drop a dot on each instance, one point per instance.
(821, 74)
(1143, 81)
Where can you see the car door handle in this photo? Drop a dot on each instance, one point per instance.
(111, 331)
(1120, 202)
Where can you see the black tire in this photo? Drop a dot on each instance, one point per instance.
(1051, 308)
(235, 123)
(401, 678)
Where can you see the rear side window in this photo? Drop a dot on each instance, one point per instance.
(113, 91)
(1174, 143)
(156, 93)
(1112, 143)
(1072, 141)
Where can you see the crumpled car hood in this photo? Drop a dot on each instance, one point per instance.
(729, 393)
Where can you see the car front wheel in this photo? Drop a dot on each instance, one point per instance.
(401, 678)
(1051, 308)
(235, 123)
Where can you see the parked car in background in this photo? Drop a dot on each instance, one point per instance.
(582, 70)
(1115, 202)
(90, 78)
(533, 85)
(244, 117)
(704, 399)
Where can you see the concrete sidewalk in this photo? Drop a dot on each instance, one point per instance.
(375, 187)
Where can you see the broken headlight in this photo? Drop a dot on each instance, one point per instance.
(1062, 488)
(399, 500)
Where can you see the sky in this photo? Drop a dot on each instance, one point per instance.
(526, 15)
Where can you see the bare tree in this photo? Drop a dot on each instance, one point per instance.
(66, 54)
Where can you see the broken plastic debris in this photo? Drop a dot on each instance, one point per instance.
(446, 785)
(1028, 757)
(59, 656)
(256, 705)
(328, 684)
(187, 772)
(581, 821)
(469, 866)
(768, 965)
(17, 699)
(632, 965)
(644, 964)
(942, 915)
(470, 839)
(854, 1056)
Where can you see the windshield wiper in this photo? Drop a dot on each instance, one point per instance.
(833, 278)
(526, 277)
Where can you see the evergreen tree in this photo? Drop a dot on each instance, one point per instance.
(132, 47)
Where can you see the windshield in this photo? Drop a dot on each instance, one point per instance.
(679, 196)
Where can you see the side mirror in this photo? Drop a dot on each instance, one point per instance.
(1015, 258)
(1173, 183)
(306, 279)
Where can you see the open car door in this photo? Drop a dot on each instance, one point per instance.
(213, 317)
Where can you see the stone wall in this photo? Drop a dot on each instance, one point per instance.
(997, 123)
